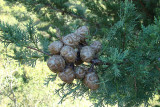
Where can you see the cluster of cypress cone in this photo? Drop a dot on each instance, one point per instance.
(68, 55)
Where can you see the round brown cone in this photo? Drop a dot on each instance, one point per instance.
(82, 32)
(80, 72)
(96, 46)
(69, 54)
(55, 47)
(87, 53)
(71, 40)
(91, 80)
(67, 75)
(56, 63)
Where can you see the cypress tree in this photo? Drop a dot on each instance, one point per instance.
(129, 31)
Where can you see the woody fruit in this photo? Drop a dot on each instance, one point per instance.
(82, 32)
(87, 53)
(71, 40)
(80, 72)
(55, 47)
(56, 63)
(91, 80)
(96, 46)
(68, 53)
(67, 75)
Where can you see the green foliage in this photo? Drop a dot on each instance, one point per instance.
(130, 36)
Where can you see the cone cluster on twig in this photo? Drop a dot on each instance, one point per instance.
(68, 55)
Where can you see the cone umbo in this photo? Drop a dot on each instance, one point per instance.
(91, 80)
(80, 72)
(67, 75)
(87, 53)
(56, 63)
(68, 53)
(55, 47)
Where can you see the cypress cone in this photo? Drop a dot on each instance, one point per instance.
(67, 75)
(91, 80)
(69, 54)
(80, 72)
(87, 53)
(96, 46)
(55, 47)
(71, 40)
(81, 32)
(56, 63)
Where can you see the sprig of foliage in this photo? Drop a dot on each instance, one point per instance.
(50, 78)
(29, 39)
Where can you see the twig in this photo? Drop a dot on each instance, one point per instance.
(14, 97)
(32, 49)
(64, 96)
(95, 31)
(70, 14)
(91, 69)
(99, 62)
(124, 40)
(144, 9)
(158, 68)
(39, 51)
(58, 34)
(65, 12)
(135, 84)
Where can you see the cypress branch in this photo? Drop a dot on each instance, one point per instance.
(128, 64)
(39, 50)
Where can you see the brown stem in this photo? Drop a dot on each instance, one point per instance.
(135, 84)
(124, 40)
(91, 69)
(39, 51)
(32, 49)
(99, 62)
(144, 9)
(158, 68)
(68, 13)
(58, 34)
